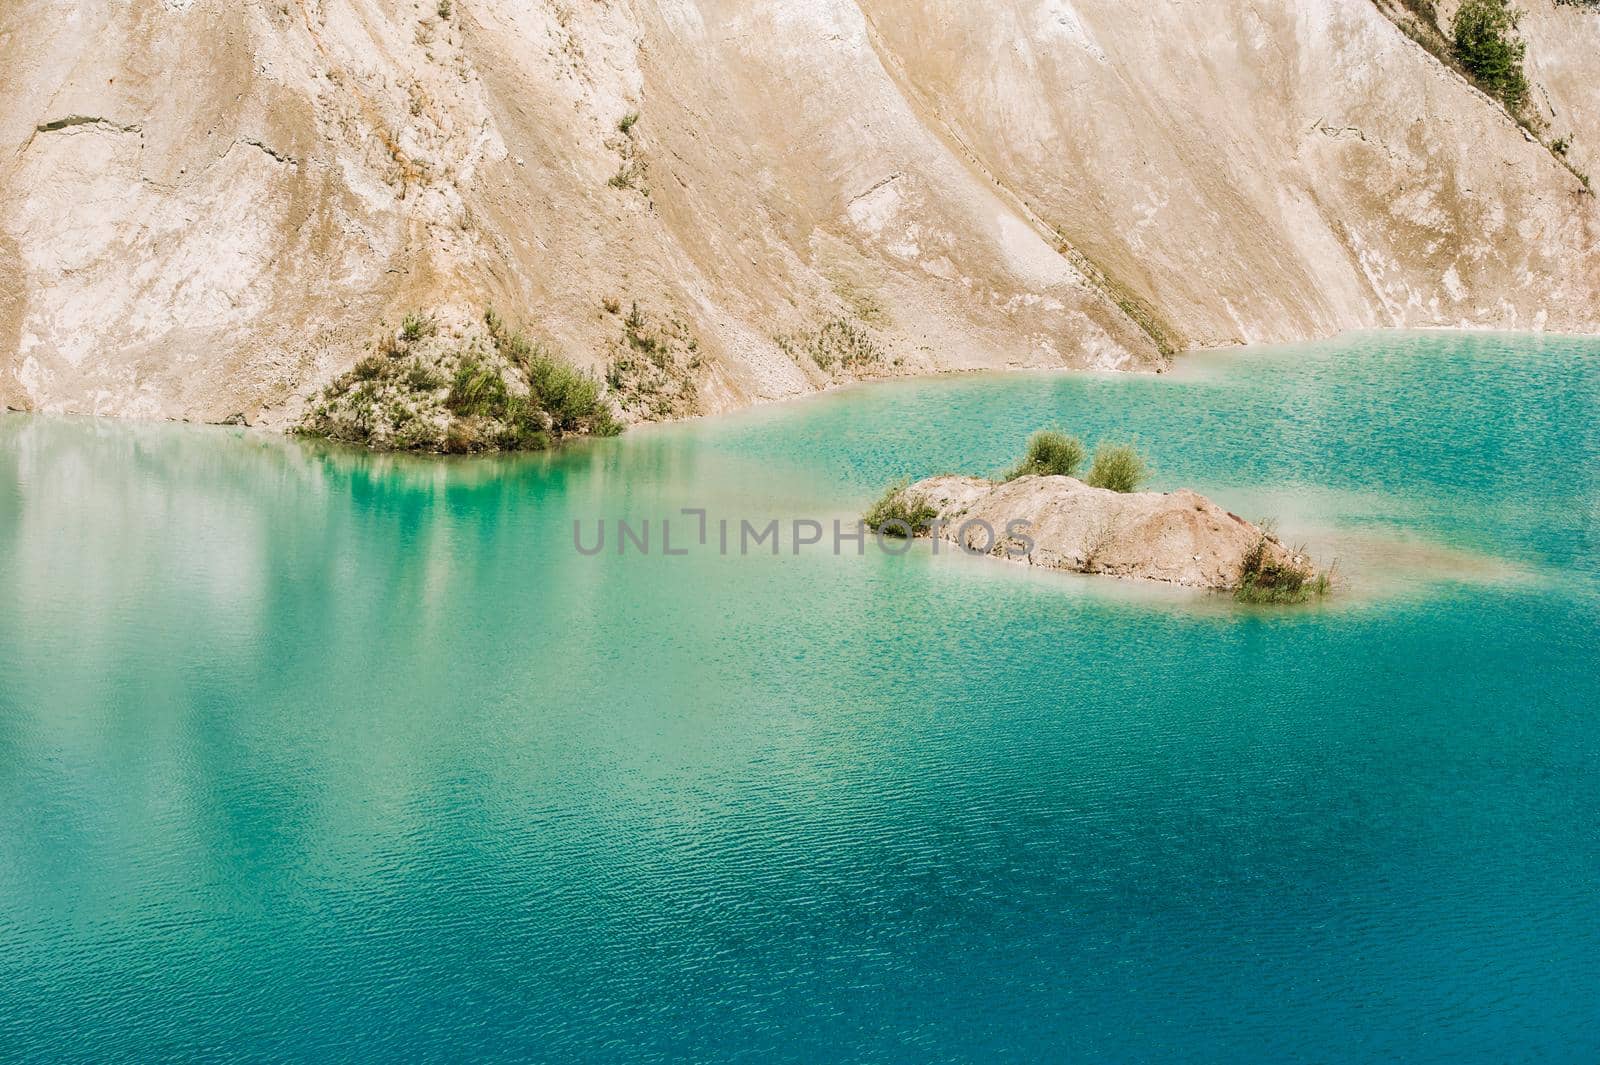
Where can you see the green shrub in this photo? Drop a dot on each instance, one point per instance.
(1487, 48)
(635, 329)
(1049, 454)
(627, 122)
(898, 510)
(572, 398)
(574, 401)
(1118, 467)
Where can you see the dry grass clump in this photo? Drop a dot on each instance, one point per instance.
(840, 345)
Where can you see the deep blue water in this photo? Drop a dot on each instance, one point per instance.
(310, 753)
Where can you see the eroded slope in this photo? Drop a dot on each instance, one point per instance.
(210, 207)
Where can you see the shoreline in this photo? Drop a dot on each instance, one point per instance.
(1173, 373)
(1174, 370)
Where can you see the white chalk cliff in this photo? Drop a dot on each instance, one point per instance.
(210, 207)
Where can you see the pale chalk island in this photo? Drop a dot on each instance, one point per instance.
(1040, 514)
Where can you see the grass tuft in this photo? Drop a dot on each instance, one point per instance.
(417, 326)
(1262, 579)
(370, 368)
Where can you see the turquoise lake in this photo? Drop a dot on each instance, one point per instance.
(308, 753)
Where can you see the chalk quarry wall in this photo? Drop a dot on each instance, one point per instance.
(210, 207)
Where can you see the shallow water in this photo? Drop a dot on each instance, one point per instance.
(313, 753)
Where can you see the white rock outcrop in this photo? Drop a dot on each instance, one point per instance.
(1061, 523)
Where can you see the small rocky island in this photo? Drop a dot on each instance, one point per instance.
(1040, 514)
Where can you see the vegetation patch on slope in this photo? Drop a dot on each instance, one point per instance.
(841, 346)
(655, 364)
(1482, 43)
(1166, 339)
(634, 171)
(493, 390)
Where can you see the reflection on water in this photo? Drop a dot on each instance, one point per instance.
(315, 753)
